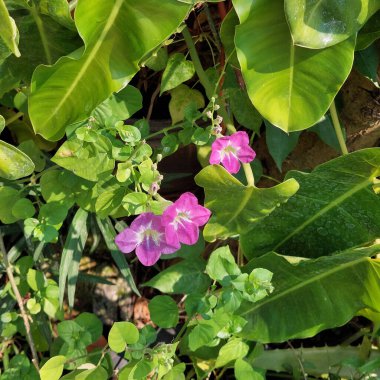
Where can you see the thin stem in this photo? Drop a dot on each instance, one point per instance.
(338, 129)
(249, 174)
(212, 27)
(163, 131)
(203, 78)
(13, 118)
(16, 292)
(182, 331)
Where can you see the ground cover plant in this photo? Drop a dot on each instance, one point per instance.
(189, 189)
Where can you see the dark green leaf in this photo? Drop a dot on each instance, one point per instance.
(334, 209)
(280, 144)
(71, 254)
(164, 311)
(335, 288)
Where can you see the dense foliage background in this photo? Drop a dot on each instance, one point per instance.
(189, 189)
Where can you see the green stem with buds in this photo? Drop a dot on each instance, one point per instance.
(203, 78)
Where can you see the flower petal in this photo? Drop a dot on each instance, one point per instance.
(246, 154)
(240, 138)
(171, 235)
(200, 215)
(231, 163)
(127, 240)
(187, 232)
(148, 254)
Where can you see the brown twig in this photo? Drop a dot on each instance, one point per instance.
(20, 302)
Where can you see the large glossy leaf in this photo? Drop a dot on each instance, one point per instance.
(294, 87)
(14, 163)
(334, 209)
(313, 295)
(8, 30)
(235, 207)
(42, 40)
(320, 23)
(123, 33)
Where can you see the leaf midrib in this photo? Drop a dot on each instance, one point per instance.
(324, 210)
(110, 21)
(305, 283)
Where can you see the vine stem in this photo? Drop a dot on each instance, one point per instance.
(203, 78)
(13, 118)
(338, 129)
(25, 318)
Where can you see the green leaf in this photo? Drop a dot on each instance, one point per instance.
(293, 88)
(36, 280)
(8, 30)
(334, 209)
(71, 254)
(121, 334)
(243, 371)
(53, 368)
(119, 106)
(369, 33)
(183, 278)
(280, 144)
(91, 323)
(87, 160)
(14, 164)
(316, 361)
(98, 373)
(222, 265)
(181, 98)
(58, 10)
(42, 41)
(2, 123)
(334, 288)
(114, 45)
(158, 60)
(177, 71)
(164, 311)
(318, 24)
(232, 350)
(30, 148)
(235, 207)
(8, 198)
(326, 132)
(23, 209)
(367, 62)
(109, 234)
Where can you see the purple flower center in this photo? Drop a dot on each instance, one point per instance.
(150, 234)
(230, 149)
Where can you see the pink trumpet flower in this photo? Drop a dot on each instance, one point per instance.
(229, 150)
(146, 235)
(182, 220)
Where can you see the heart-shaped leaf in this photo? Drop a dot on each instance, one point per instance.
(177, 71)
(235, 207)
(293, 88)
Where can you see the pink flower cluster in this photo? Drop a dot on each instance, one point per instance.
(152, 235)
(229, 150)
